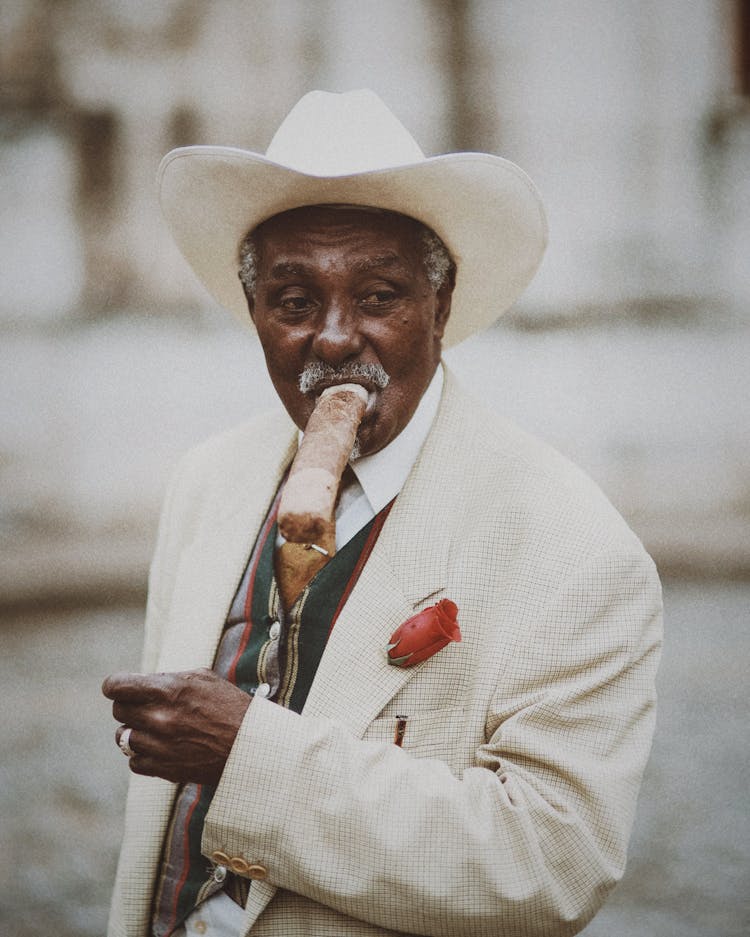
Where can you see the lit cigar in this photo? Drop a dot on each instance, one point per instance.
(306, 510)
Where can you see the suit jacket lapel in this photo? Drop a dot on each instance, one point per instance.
(212, 565)
(406, 571)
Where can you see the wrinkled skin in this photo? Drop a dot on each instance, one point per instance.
(336, 287)
(183, 724)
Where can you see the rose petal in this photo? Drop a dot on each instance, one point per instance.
(424, 634)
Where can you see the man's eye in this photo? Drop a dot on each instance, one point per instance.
(379, 297)
(295, 303)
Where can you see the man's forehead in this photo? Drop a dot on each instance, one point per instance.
(364, 238)
(391, 262)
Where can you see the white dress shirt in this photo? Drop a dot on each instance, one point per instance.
(380, 476)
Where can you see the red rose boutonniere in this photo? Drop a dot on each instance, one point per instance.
(424, 634)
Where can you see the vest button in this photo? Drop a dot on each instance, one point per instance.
(219, 874)
(263, 690)
(274, 631)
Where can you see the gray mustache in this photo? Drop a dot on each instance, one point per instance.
(316, 373)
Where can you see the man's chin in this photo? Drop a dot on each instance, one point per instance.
(369, 440)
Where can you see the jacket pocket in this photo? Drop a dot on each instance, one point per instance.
(438, 733)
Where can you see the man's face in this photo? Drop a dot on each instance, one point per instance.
(344, 288)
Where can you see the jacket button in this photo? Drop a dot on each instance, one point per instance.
(239, 865)
(257, 872)
(219, 858)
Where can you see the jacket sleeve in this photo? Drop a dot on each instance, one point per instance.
(527, 841)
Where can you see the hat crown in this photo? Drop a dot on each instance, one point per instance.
(328, 134)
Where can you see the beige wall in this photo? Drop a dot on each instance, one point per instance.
(627, 351)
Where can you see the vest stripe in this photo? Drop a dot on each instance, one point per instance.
(186, 847)
(377, 526)
(255, 562)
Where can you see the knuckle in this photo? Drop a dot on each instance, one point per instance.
(159, 719)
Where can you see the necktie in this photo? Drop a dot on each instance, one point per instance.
(297, 563)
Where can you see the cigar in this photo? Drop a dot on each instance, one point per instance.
(308, 501)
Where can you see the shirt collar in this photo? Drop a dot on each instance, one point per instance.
(382, 474)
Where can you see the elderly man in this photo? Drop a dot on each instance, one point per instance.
(439, 724)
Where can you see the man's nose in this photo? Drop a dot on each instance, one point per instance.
(338, 337)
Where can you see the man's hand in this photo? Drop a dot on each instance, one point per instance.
(183, 724)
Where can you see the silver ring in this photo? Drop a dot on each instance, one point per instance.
(124, 743)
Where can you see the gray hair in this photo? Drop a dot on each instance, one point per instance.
(436, 258)
(316, 373)
(249, 263)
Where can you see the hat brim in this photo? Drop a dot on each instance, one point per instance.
(485, 208)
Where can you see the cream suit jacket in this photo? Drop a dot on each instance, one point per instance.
(508, 809)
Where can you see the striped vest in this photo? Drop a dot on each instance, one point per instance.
(263, 651)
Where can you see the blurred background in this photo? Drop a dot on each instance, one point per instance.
(629, 352)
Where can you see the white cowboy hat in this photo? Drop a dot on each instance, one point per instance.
(350, 149)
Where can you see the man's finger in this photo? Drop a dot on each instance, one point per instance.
(141, 764)
(135, 687)
(131, 738)
(137, 715)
